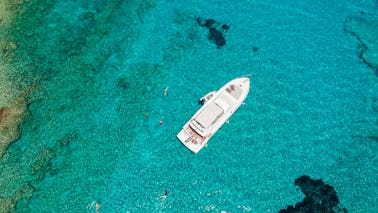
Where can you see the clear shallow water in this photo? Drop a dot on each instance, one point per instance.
(101, 67)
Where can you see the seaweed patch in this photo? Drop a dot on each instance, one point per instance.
(216, 30)
(320, 198)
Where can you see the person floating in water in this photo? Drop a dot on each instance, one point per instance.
(164, 196)
(98, 206)
(94, 205)
(166, 91)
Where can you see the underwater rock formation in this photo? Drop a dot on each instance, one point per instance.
(320, 197)
(6, 205)
(216, 30)
(365, 29)
(43, 164)
(50, 160)
(7, 49)
(10, 119)
(25, 191)
(19, 198)
(5, 14)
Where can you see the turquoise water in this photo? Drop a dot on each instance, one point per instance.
(92, 130)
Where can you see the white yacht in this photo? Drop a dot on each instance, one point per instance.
(217, 109)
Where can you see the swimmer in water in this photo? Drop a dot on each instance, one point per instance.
(98, 206)
(166, 91)
(164, 196)
(95, 205)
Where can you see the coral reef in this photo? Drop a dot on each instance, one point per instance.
(10, 119)
(6, 205)
(25, 191)
(320, 197)
(19, 198)
(50, 160)
(7, 49)
(8, 88)
(42, 165)
(5, 14)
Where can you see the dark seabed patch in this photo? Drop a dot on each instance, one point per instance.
(320, 197)
(367, 129)
(50, 160)
(216, 30)
(365, 29)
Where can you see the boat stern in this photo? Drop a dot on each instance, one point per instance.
(184, 136)
(189, 141)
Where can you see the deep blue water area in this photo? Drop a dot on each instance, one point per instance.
(100, 68)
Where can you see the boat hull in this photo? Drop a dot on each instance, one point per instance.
(213, 114)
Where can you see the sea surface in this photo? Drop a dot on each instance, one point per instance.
(96, 73)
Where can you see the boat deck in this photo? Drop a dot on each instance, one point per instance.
(195, 138)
